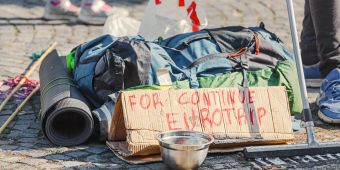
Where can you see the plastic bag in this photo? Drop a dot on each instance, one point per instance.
(165, 18)
(118, 26)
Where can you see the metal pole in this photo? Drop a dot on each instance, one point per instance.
(304, 95)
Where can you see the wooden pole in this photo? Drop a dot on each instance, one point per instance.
(17, 110)
(28, 74)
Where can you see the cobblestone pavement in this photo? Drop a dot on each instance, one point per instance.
(22, 32)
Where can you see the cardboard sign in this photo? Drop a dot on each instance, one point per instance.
(234, 116)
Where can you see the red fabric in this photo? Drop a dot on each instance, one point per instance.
(6, 87)
(193, 16)
(158, 2)
(181, 3)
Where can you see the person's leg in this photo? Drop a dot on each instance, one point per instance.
(309, 51)
(326, 21)
(96, 11)
(60, 9)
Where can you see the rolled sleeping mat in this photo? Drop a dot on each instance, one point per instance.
(65, 114)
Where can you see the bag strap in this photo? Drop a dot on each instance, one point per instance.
(244, 67)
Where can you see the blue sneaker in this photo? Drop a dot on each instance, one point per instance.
(312, 75)
(312, 71)
(329, 99)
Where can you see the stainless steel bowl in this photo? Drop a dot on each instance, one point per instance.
(184, 149)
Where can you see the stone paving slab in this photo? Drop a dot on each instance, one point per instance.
(22, 32)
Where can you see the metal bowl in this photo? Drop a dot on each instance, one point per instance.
(184, 149)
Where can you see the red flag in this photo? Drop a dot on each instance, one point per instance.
(181, 3)
(193, 16)
(158, 2)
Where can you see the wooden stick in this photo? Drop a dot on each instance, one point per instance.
(18, 109)
(28, 74)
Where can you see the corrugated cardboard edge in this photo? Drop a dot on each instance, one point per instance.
(117, 129)
(148, 159)
(137, 160)
(116, 148)
(127, 148)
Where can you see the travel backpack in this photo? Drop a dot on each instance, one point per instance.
(221, 57)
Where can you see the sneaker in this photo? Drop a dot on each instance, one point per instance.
(312, 75)
(312, 71)
(96, 13)
(60, 9)
(329, 98)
